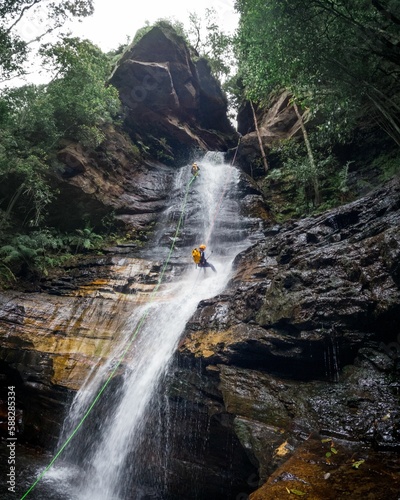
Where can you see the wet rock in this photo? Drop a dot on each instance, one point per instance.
(305, 341)
(349, 470)
(115, 180)
(52, 340)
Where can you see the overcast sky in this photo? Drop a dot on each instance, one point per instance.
(116, 20)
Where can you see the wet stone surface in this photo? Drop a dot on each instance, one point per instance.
(304, 342)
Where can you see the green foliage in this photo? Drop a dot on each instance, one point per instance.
(177, 26)
(31, 254)
(388, 164)
(207, 38)
(140, 33)
(335, 57)
(29, 117)
(78, 93)
(7, 277)
(297, 169)
(173, 24)
(85, 239)
(115, 55)
(297, 178)
(332, 449)
(89, 136)
(34, 119)
(43, 16)
(23, 169)
(163, 151)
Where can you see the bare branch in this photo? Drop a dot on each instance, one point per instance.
(263, 155)
(25, 9)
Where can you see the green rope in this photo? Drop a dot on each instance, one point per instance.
(122, 357)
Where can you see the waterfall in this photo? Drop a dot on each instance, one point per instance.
(103, 452)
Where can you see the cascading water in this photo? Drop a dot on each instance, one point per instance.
(104, 453)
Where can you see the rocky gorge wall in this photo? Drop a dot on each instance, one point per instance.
(301, 354)
(52, 340)
(297, 359)
(172, 110)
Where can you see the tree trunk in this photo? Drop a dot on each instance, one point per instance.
(385, 12)
(263, 156)
(317, 196)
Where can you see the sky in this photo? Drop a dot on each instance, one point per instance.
(115, 21)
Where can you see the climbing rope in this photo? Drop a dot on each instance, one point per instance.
(124, 353)
(139, 326)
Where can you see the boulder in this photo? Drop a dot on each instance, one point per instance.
(170, 99)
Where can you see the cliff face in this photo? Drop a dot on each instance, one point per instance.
(173, 109)
(52, 340)
(288, 378)
(112, 179)
(170, 99)
(302, 350)
(297, 357)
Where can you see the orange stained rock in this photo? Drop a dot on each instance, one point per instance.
(309, 474)
(282, 450)
(206, 344)
(71, 372)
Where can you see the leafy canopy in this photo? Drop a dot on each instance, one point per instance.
(23, 22)
(334, 55)
(33, 120)
(78, 93)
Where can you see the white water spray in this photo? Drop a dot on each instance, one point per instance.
(159, 334)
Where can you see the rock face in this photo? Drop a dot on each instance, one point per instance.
(298, 357)
(173, 109)
(277, 122)
(305, 343)
(285, 383)
(171, 100)
(51, 340)
(112, 179)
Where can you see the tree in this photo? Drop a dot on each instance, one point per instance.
(33, 119)
(310, 154)
(207, 38)
(263, 155)
(334, 56)
(27, 134)
(78, 93)
(23, 22)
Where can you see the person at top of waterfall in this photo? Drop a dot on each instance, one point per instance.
(195, 170)
(203, 261)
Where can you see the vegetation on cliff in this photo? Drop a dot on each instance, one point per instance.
(24, 22)
(37, 121)
(340, 61)
(33, 122)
